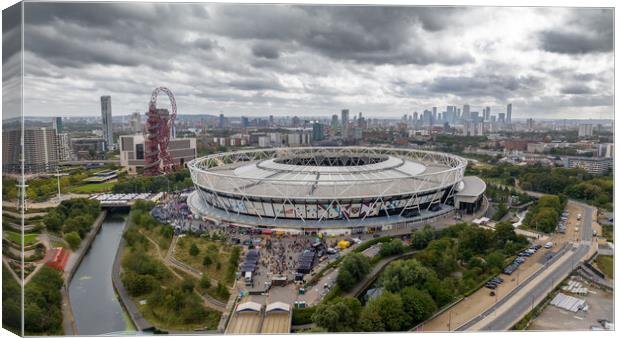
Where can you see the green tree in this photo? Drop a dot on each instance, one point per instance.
(53, 220)
(402, 273)
(205, 282)
(193, 250)
(394, 247)
(418, 305)
(137, 285)
(206, 261)
(421, 237)
(384, 313)
(353, 268)
(73, 238)
(339, 315)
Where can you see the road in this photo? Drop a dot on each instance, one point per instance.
(508, 311)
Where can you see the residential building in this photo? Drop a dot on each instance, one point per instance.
(593, 165)
(92, 148)
(585, 130)
(40, 150)
(106, 121)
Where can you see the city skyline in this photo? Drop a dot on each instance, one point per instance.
(383, 61)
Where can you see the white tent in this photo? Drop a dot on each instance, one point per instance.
(249, 307)
(278, 306)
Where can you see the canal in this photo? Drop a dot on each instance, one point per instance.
(96, 308)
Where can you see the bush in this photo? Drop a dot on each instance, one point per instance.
(206, 261)
(395, 247)
(137, 285)
(73, 239)
(193, 250)
(303, 316)
(205, 282)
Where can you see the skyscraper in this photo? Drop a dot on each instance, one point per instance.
(106, 121)
(334, 125)
(466, 112)
(509, 113)
(487, 113)
(317, 131)
(57, 124)
(344, 117)
(222, 121)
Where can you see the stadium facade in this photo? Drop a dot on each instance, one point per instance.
(332, 189)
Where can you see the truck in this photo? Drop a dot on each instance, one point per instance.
(248, 278)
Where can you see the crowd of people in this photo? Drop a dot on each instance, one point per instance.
(281, 257)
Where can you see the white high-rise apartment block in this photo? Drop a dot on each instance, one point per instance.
(585, 130)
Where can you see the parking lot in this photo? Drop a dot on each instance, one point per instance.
(600, 306)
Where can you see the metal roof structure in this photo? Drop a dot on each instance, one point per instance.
(327, 187)
(277, 306)
(249, 307)
(264, 173)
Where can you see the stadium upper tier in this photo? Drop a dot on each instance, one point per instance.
(326, 173)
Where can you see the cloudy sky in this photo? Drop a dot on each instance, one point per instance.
(258, 60)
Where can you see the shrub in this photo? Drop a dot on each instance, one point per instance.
(73, 238)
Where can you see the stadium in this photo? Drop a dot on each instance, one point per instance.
(331, 189)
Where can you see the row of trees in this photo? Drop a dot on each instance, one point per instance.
(43, 303)
(151, 184)
(450, 262)
(545, 214)
(573, 182)
(73, 218)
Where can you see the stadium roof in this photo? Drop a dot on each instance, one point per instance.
(471, 186)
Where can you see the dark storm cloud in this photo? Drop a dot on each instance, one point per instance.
(267, 51)
(587, 31)
(367, 34)
(498, 86)
(577, 89)
(256, 84)
(311, 59)
(11, 32)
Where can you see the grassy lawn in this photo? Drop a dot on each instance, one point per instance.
(155, 234)
(216, 251)
(92, 188)
(57, 244)
(16, 238)
(606, 265)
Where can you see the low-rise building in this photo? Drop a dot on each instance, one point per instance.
(593, 165)
(182, 150)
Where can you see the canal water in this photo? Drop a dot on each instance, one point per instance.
(96, 308)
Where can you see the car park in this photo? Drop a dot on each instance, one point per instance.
(490, 286)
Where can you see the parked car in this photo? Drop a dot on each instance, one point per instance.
(548, 245)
